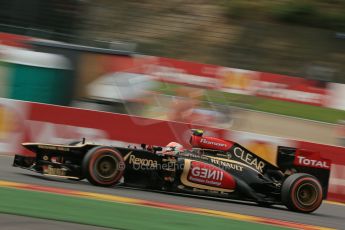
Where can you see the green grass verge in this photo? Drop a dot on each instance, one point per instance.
(266, 105)
(279, 107)
(110, 214)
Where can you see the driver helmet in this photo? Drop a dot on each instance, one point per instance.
(173, 147)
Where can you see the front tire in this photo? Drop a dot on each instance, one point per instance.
(103, 166)
(302, 192)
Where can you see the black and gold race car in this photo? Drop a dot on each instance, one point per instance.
(212, 167)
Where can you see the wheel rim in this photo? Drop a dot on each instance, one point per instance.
(307, 194)
(106, 167)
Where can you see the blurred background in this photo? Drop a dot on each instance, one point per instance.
(269, 67)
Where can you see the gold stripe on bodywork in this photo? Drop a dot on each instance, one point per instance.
(127, 155)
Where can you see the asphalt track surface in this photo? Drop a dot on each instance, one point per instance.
(328, 215)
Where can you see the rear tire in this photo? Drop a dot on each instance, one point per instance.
(103, 166)
(302, 192)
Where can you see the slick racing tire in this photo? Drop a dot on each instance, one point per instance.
(302, 192)
(103, 166)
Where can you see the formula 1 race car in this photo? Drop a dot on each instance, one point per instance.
(213, 167)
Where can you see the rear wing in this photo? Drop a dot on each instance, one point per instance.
(294, 160)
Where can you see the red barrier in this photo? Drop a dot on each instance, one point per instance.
(292, 89)
(274, 86)
(117, 126)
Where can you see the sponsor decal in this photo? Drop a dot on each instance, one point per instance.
(50, 170)
(178, 76)
(52, 147)
(237, 80)
(206, 176)
(312, 159)
(142, 162)
(185, 73)
(250, 159)
(138, 163)
(195, 155)
(263, 146)
(205, 141)
(304, 161)
(210, 143)
(275, 86)
(224, 162)
(289, 92)
(227, 165)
